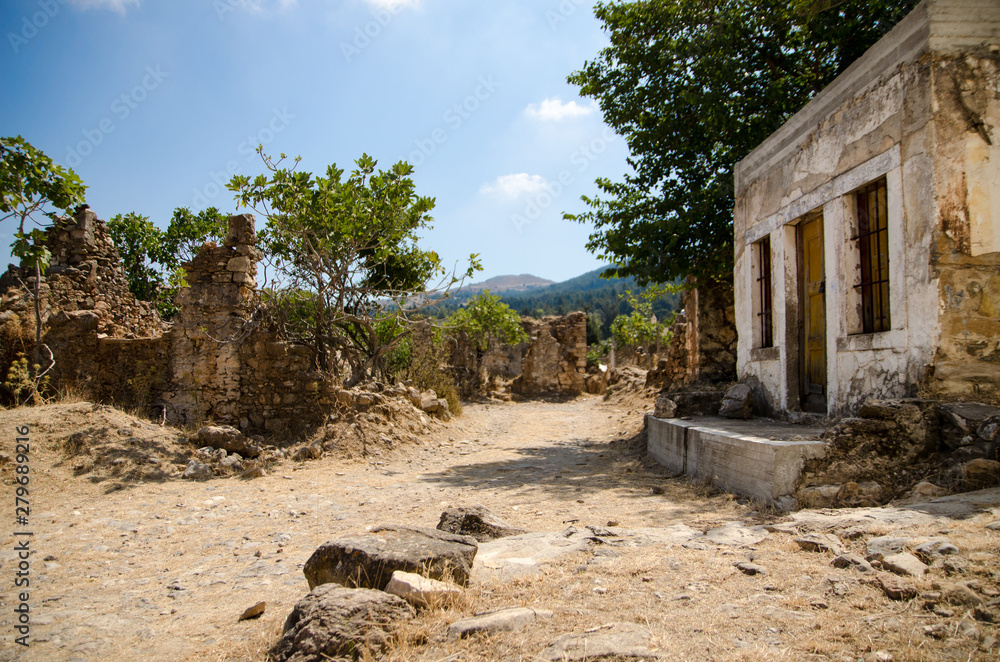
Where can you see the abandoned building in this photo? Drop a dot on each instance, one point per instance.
(867, 246)
(868, 227)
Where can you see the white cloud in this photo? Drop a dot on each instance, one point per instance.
(261, 6)
(114, 5)
(554, 110)
(516, 185)
(393, 5)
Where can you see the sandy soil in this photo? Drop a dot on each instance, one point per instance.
(162, 569)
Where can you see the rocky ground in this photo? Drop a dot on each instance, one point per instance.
(151, 566)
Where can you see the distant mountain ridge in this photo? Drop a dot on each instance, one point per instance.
(508, 283)
(602, 298)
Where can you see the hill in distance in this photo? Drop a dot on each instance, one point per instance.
(500, 284)
(602, 298)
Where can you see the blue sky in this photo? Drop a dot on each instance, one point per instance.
(156, 103)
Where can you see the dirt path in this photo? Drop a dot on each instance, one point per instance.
(161, 571)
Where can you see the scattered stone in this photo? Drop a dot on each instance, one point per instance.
(994, 525)
(657, 489)
(981, 473)
(840, 586)
(896, 588)
(517, 556)
(504, 620)
(926, 489)
(255, 611)
(750, 569)
(333, 622)
(987, 614)
(968, 630)
(989, 429)
(819, 603)
(735, 534)
(937, 630)
(852, 561)
(738, 402)
(478, 521)
(817, 496)
(368, 561)
(932, 550)
(905, 564)
(960, 595)
(782, 527)
(234, 462)
(421, 591)
(256, 472)
(962, 419)
(665, 407)
(879, 656)
(197, 471)
(613, 640)
(859, 495)
(229, 439)
(820, 542)
(955, 565)
(882, 546)
(989, 642)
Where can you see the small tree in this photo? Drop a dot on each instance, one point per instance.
(638, 328)
(33, 186)
(347, 248)
(486, 319)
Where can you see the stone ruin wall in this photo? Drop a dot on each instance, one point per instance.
(555, 360)
(702, 348)
(213, 363)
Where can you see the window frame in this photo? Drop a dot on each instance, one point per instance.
(765, 293)
(871, 207)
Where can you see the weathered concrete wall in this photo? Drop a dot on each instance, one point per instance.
(759, 461)
(896, 113)
(556, 357)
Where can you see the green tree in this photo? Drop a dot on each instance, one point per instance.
(486, 320)
(350, 246)
(640, 327)
(694, 86)
(139, 244)
(152, 257)
(33, 186)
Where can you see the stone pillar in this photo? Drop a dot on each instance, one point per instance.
(215, 309)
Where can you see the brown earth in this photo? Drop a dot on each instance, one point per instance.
(132, 564)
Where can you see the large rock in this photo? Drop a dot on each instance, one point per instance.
(478, 521)
(333, 622)
(821, 542)
(511, 619)
(229, 439)
(617, 640)
(368, 561)
(738, 402)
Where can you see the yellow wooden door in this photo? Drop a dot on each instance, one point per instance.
(814, 317)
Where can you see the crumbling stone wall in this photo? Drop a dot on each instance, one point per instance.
(556, 358)
(213, 322)
(702, 347)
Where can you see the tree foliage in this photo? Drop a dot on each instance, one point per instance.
(347, 248)
(485, 319)
(694, 86)
(33, 186)
(152, 257)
